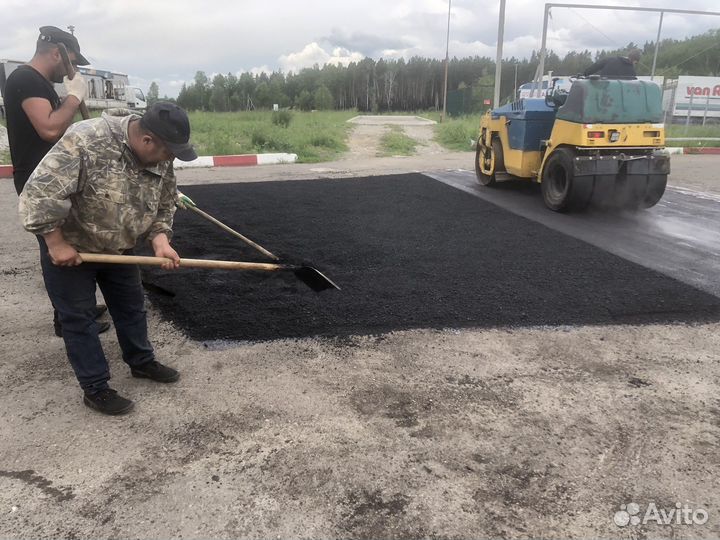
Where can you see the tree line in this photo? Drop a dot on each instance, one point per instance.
(417, 83)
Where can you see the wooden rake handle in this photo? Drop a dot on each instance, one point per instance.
(184, 263)
(224, 227)
(70, 70)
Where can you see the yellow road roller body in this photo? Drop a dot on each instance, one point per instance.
(601, 144)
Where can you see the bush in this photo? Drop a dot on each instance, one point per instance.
(326, 141)
(264, 141)
(456, 134)
(396, 143)
(281, 118)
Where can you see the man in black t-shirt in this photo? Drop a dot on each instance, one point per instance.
(616, 67)
(36, 117)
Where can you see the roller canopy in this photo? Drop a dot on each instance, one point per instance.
(610, 101)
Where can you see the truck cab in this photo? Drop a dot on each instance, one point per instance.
(133, 97)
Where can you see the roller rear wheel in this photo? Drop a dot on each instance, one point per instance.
(562, 190)
(655, 189)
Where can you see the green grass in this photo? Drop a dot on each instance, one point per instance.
(680, 130)
(456, 133)
(322, 136)
(313, 136)
(693, 144)
(396, 143)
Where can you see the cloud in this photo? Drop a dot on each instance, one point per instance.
(169, 45)
(260, 69)
(313, 54)
(367, 44)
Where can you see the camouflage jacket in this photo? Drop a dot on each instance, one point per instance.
(91, 186)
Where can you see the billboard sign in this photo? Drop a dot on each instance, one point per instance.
(700, 96)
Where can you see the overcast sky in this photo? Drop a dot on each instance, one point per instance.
(169, 41)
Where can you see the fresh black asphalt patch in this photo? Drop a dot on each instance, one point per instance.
(408, 252)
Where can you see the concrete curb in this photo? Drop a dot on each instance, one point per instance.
(704, 150)
(244, 160)
(708, 150)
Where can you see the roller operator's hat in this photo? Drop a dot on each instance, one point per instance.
(52, 34)
(170, 124)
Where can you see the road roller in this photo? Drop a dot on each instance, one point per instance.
(601, 143)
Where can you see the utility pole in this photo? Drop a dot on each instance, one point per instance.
(657, 47)
(538, 83)
(72, 29)
(498, 58)
(447, 60)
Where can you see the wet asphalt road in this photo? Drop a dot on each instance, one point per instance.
(678, 237)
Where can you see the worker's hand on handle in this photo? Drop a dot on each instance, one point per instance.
(162, 248)
(61, 253)
(76, 87)
(183, 201)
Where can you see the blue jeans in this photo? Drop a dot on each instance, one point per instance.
(72, 293)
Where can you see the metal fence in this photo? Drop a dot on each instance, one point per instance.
(690, 110)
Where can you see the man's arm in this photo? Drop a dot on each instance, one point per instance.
(51, 124)
(45, 200)
(61, 253)
(596, 67)
(161, 230)
(162, 248)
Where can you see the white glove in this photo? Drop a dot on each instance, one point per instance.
(76, 87)
(183, 201)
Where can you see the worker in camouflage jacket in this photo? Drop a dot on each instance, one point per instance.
(105, 184)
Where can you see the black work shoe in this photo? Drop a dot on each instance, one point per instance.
(102, 327)
(155, 371)
(107, 401)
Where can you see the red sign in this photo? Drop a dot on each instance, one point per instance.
(486, 102)
(703, 91)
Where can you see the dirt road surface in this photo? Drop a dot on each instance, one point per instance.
(511, 432)
(4, 145)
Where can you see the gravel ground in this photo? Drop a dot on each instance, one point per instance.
(542, 431)
(4, 144)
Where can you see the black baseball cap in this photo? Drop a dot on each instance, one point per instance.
(52, 34)
(170, 124)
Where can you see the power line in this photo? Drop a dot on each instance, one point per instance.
(612, 42)
(691, 57)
